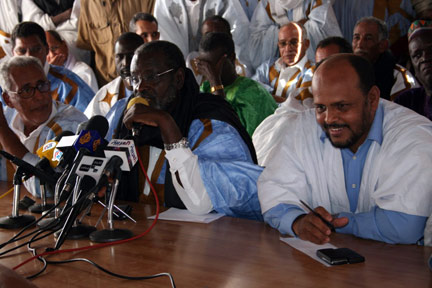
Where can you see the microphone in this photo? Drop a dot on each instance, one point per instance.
(28, 168)
(124, 149)
(87, 142)
(49, 151)
(136, 100)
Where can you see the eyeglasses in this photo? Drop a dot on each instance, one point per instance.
(150, 79)
(28, 91)
(32, 50)
(293, 43)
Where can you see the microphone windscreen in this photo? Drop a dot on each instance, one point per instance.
(137, 100)
(63, 133)
(47, 151)
(98, 123)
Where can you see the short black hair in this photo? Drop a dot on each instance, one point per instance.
(130, 37)
(364, 70)
(143, 17)
(173, 56)
(213, 40)
(221, 20)
(342, 43)
(27, 29)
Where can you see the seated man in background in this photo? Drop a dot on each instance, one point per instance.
(216, 24)
(59, 55)
(38, 118)
(283, 76)
(120, 87)
(145, 25)
(370, 40)
(420, 49)
(210, 155)
(351, 157)
(216, 61)
(28, 38)
(330, 46)
(325, 48)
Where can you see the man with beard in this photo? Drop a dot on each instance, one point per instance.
(120, 87)
(361, 161)
(210, 158)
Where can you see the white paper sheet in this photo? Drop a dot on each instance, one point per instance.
(175, 214)
(307, 247)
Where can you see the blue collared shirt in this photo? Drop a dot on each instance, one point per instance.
(378, 224)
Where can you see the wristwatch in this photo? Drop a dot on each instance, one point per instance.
(183, 143)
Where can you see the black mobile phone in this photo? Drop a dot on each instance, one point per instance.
(340, 256)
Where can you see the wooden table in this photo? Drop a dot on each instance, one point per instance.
(229, 252)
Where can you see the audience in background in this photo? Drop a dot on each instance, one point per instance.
(370, 40)
(216, 61)
(120, 87)
(282, 76)
(58, 54)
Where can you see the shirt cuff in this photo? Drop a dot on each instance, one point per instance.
(177, 157)
(282, 217)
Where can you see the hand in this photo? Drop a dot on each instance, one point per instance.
(58, 59)
(310, 227)
(146, 115)
(62, 17)
(211, 72)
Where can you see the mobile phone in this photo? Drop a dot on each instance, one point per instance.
(340, 256)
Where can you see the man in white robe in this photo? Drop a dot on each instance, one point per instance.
(291, 72)
(362, 161)
(9, 17)
(37, 117)
(317, 17)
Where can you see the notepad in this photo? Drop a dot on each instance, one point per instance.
(184, 215)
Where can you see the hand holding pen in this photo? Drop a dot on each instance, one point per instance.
(317, 225)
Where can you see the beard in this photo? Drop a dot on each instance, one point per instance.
(161, 103)
(356, 134)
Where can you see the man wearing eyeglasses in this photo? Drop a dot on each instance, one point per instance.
(26, 89)
(120, 87)
(290, 71)
(197, 153)
(28, 39)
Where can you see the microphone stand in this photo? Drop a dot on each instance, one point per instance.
(111, 234)
(16, 220)
(44, 206)
(76, 230)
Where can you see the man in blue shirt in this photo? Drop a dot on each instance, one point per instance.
(361, 161)
(28, 38)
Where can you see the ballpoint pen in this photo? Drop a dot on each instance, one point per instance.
(332, 228)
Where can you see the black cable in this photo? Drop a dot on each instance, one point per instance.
(115, 274)
(41, 271)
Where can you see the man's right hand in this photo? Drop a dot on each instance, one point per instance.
(312, 228)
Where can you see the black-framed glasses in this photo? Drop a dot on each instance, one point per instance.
(28, 91)
(136, 80)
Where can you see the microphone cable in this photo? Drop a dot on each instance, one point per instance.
(7, 193)
(50, 252)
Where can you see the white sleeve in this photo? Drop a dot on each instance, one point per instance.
(191, 190)
(33, 13)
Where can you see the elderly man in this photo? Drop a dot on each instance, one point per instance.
(249, 99)
(145, 25)
(420, 47)
(28, 38)
(210, 155)
(120, 87)
(38, 118)
(286, 74)
(370, 40)
(351, 157)
(317, 16)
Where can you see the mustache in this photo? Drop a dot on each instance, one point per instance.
(335, 126)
